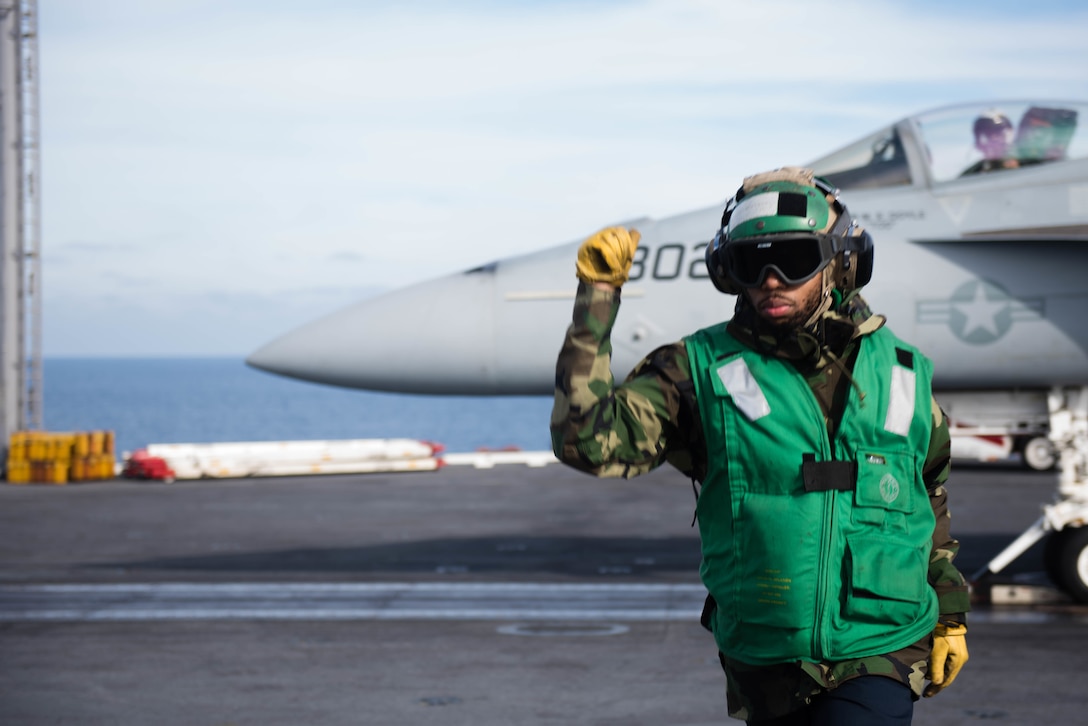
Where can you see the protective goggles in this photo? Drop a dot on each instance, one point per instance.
(795, 259)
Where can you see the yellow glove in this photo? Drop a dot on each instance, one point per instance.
(948, 656)
(607, 256)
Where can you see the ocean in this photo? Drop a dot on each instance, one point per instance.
(206, 400)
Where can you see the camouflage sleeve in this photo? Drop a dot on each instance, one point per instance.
(951, 587)
(618, 431)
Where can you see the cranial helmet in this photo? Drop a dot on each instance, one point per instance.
(792, 223)
(991, 123)
(993, 135)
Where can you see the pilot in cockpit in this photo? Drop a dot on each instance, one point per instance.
(994, 138)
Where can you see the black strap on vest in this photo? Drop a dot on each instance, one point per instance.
(825, 476)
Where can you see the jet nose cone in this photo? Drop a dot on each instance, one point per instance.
(401, 341)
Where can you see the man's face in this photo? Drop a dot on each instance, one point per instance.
(785, 306)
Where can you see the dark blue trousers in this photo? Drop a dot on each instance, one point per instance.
(862, 701)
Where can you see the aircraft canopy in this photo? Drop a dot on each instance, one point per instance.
(960, 141)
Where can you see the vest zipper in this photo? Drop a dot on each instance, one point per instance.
(819, 636)
(819, 646)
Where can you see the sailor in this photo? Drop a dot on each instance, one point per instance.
(994, 139)
(819, 454)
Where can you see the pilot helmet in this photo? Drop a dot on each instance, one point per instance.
(993, 134)
(792, 223)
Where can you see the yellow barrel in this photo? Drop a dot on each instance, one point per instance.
(59, 457)
(18, 471)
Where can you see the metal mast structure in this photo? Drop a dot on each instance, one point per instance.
(20, 221)
(32, 206)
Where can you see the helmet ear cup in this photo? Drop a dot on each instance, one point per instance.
(856, 263)
(861, 246)
(718, 266)
(864, 261)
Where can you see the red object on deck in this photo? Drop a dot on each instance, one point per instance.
(140, 465)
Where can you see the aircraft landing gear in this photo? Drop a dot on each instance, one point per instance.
(1066, 520)
(1038, 453)
(1067, 561)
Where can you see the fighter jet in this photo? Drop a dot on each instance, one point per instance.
(979, 215)
(982, 269)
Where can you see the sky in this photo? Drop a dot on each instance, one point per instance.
(218, 172)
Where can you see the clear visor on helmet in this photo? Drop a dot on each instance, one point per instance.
(794, 259)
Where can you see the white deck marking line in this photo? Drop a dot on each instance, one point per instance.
(508, 601)
(350, 601)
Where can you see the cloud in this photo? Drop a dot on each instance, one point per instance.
(348, 257)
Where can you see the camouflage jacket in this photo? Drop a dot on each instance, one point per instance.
(653, 418)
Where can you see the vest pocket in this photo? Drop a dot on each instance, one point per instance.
(776, 560)
(885, 481)
(887, 580)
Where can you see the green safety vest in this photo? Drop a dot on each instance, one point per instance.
(814, 549)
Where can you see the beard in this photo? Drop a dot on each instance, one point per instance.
(800, 318)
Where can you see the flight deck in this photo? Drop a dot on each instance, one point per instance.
(516, 594)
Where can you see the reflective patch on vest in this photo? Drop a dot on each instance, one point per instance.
(743, 389)
(900, 402)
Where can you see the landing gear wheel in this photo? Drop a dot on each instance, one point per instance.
(1073, 562)
(1038, 454)
(1052, 557)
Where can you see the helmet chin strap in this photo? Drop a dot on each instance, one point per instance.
(827, 296)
